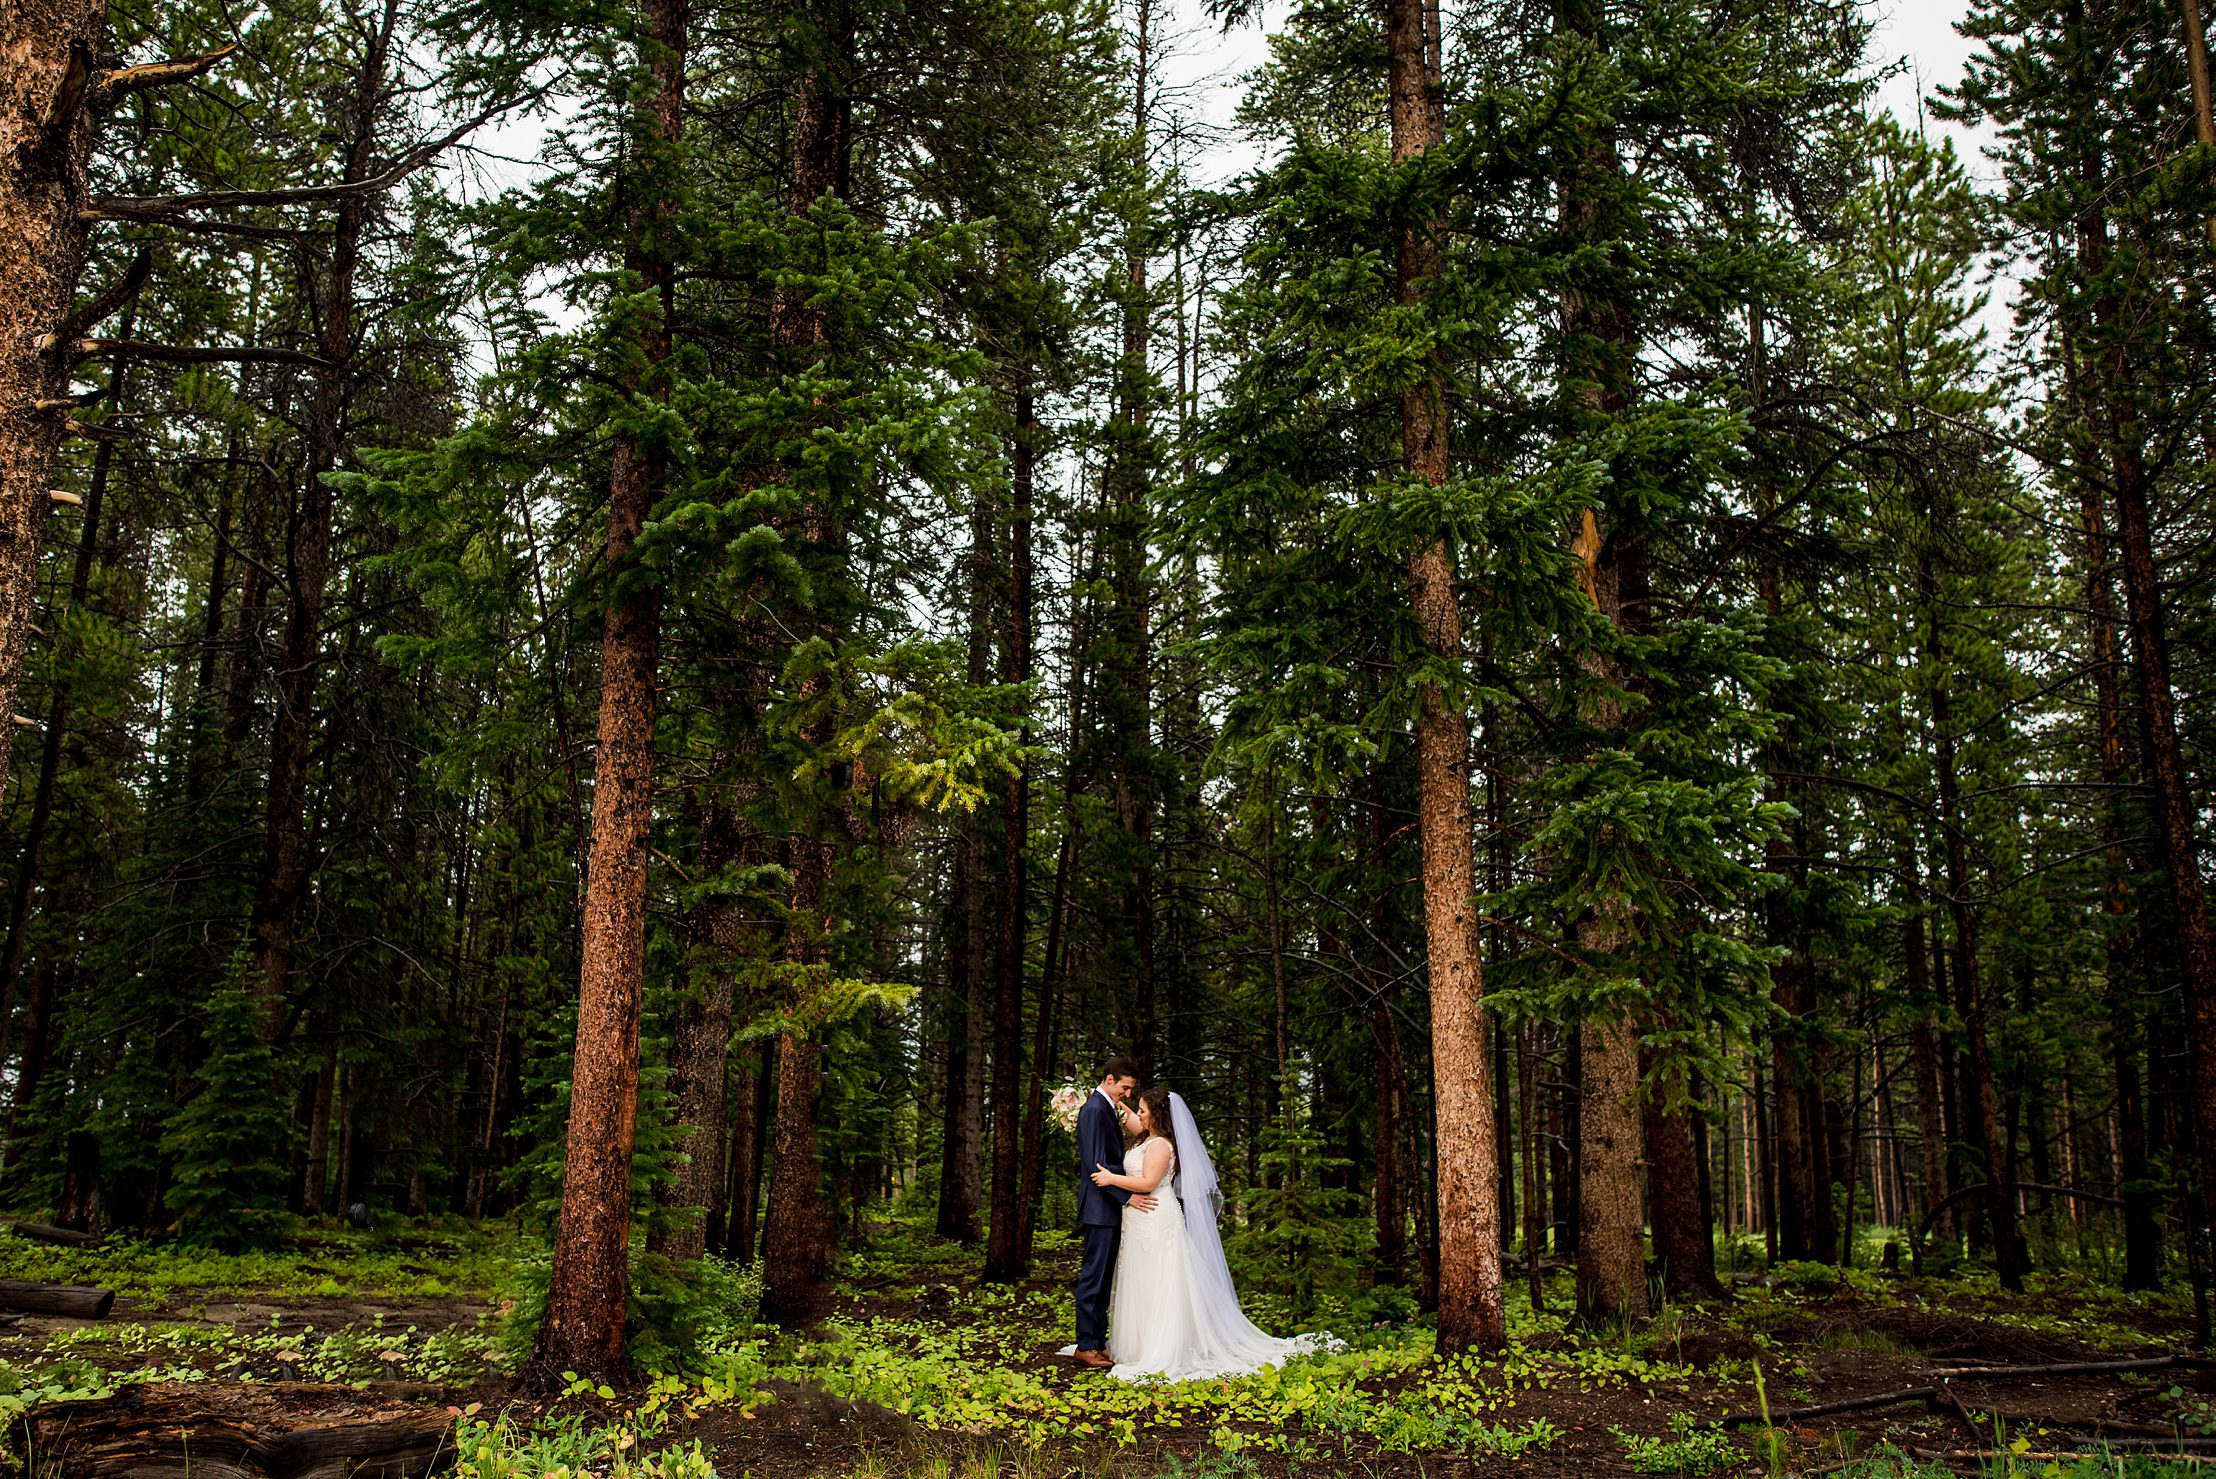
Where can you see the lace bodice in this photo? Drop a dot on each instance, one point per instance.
(1134, 1164)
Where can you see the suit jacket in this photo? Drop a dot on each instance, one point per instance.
(1099, 1143)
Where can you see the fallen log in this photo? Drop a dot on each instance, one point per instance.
(171, 1432)
(1783, 1415)
(46, 1232)
(78, 1301)
(2065, 1368)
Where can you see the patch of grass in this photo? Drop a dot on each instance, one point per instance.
(572, 1447)
(325, 1265)
(1861, 1338)
(1692, 1449)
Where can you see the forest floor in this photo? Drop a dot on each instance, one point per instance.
(923, 1370)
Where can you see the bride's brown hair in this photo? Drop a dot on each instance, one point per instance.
(1157, 1102)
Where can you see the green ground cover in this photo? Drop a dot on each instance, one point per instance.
(964, 1370)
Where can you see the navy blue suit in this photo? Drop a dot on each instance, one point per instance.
(1099, 1217)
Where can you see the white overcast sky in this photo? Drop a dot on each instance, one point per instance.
(1204, 68)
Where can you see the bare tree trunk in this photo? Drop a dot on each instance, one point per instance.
(1534, 1194)
(284, 871)
(315, 1172)
(1471, 1312)
(1923, 1047)
(48, 92)
(1682, 1244)
(962, 1147)
(1127, 699)
(2112, 410)
(1389, 1262)
(1015, 892)
(2142, 1233)
(583, 1330)
(796, 1241)
(1984, 1109)
(1008, 1248)
(699, 1052)
(1611, 1256)
(753, 1080)
(2176, 811)
(57, 720)
(2196, 66)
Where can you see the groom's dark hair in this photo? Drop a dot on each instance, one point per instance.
(1119, 1066)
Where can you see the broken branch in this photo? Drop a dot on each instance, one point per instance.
(1927, 1395)
(2064, 1368)
(181, 354)
(108, 88)
(161, 208)
(110, 298)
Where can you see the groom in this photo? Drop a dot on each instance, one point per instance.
(1100, 1208)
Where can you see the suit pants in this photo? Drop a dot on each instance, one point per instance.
(1093, 1277)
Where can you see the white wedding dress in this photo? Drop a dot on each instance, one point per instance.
(1174, 1314)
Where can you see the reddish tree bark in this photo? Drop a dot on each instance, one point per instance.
(583, 1330)
(1471, 1311)
(50, 738)
(47, 82)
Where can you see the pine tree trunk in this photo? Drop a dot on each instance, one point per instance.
(1389, 1262)
(1682, 1244)
(1611, 1255)
(797, 1236)
(1534, 1184)
(1923, 1047)
(1471, 1313)
(315, 1171)
(962, 1144)
(1127, 700)
(796, 1244)
(583, 1330)
(1007, 1248)
(2196, 68)
(1015, 890)
(27, 873)
(47, 92)
(283, 874)
(699, 1051)
(2142, 1233)
(1984, 1107)
(2113, 412)
(2175, 809)
(753, 1080)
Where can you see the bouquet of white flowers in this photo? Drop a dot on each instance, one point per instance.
(1065, 1104)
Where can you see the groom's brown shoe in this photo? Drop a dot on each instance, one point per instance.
(1094, 1358)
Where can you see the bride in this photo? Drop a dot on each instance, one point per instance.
(1175, 1315)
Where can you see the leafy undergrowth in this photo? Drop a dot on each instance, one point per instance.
(434, 1263)
(922, 1369)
